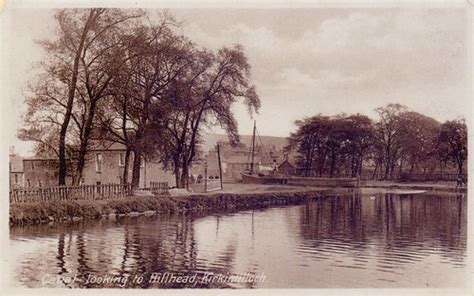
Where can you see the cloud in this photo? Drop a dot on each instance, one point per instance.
(354, 62)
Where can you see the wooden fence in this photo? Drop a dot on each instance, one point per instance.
(428, 177)
(159, 187)
(83, 192)
(431, 177)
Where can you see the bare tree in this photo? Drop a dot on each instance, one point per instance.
(156, 58)
(204, 97)
(76, 66)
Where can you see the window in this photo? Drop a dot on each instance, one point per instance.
(16, 178)
(40, 184)
(98, 162)
(28, 182)
(83, 181)
(32, 165)
(121, 160)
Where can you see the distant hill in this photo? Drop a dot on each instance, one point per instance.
(210, 141)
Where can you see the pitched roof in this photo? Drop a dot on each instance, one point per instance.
(286, 162)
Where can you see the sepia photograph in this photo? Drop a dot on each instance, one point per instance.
(241, 146)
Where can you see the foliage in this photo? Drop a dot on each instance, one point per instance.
(114, 76)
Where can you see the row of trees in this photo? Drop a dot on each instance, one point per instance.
(401, 141)
(118, 76)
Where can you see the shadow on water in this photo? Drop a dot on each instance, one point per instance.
(383, 236)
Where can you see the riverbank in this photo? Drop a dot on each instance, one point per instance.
(428, 186)
(235, 197)
(63, 211)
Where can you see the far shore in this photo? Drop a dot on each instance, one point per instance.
(234, 197)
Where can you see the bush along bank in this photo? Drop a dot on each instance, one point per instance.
(63, 211)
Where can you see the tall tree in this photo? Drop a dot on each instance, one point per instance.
(158, 57)
(64, 53)
(389, 131)
(453, 137)
(360, 139)
(204, 96)
(79, 64)
(339, 139)
(419, 133)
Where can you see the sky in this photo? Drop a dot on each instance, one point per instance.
(304, 61)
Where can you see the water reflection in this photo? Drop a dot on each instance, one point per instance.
(357, 240)
(393, 233)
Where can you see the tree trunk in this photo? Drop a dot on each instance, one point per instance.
(387, 169)
(392, 168)
(70, 101)
(62, 155)
(388, 162)
(177, 172)
(80, 166)
(321, 166)
(184, 175)
(354, 167)
(177, 178)
(400, 171)
(81, 161)
(375, 170)
(136, 170)
(460, 166)
(307, 164)
(125, 166)
(333, 163)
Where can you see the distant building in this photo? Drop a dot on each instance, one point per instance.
(104, 165)
(234, 165)
(235, 160)
(16, 171)
(40, 172)
(287, 168)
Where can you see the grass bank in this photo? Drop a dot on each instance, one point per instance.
(62, 211)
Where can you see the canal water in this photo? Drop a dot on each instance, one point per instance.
(362, 240)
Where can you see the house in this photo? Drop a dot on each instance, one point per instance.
(236, 159)
(40, 172)
(287, 168)
(234, 165)
(16, 171)
(106, 165)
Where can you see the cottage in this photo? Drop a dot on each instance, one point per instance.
(106, 164)
(287, 168)
(16, 171)
(40, 172)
